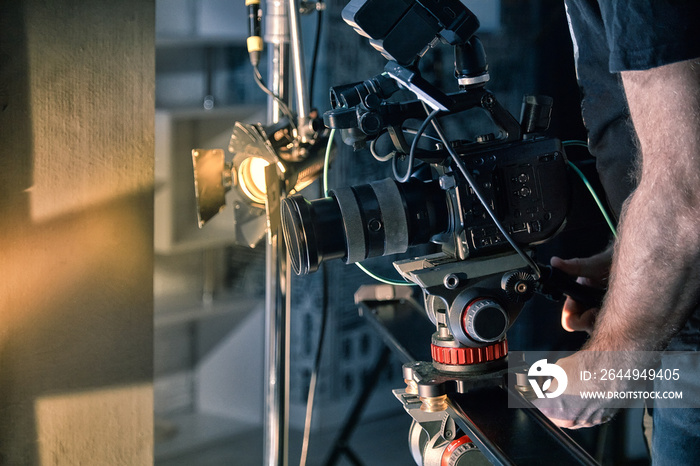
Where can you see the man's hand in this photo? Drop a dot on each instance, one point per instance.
(592, 271)
(571, 410)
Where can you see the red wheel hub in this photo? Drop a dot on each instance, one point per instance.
(467, 356)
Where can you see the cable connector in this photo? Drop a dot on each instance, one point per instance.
(254, 41)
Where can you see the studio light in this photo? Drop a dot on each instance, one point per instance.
(253, 148)
(268, 163)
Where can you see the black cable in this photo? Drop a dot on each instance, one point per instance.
(314, 59)
(414, 145)
(415, 131)
(283, 106)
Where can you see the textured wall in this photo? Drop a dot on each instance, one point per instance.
(76, 158)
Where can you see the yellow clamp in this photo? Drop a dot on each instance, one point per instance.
(255, 44)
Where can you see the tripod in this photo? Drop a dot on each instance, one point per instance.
(465, 413)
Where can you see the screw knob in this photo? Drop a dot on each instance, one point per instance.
(484, 320)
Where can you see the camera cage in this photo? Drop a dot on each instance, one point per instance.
(509, 164)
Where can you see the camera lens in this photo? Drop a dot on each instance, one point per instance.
(312, 231)
(359, 222)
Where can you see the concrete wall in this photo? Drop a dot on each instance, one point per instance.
(76, 210)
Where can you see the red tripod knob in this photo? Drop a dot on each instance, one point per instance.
(466, 356)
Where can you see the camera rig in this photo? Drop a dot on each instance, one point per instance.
(485, 201)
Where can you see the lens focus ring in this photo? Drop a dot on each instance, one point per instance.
(394, 215)
(293, 211)
(352, 224)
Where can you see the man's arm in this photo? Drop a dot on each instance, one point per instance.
(655, 276)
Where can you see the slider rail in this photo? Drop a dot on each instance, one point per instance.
(509, 430)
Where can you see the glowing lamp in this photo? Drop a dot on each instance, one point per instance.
(251, 177)
(254, 148)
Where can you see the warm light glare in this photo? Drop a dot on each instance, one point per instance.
(251, 176)
(69, 431)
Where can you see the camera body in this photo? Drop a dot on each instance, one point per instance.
(475, 286)
(524, 184)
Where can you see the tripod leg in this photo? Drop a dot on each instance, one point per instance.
(340, 446)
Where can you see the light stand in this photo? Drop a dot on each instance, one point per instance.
(277, 322)
(281, 20)
(276, 382)
(269, 163)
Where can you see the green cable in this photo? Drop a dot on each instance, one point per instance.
(388, 281)
(575, 142)
(326, 163)
(590, 188)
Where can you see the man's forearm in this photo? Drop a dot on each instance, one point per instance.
(655, 279)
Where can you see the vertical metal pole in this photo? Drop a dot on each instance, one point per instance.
(276, 420)
(298, 62)
(276, 426)
(281, 19)
(277, 40)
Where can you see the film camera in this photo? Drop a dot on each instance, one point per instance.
(507, 188)
(485, 201)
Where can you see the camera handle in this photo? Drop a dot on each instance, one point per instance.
(554, 284)
(365, 117)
